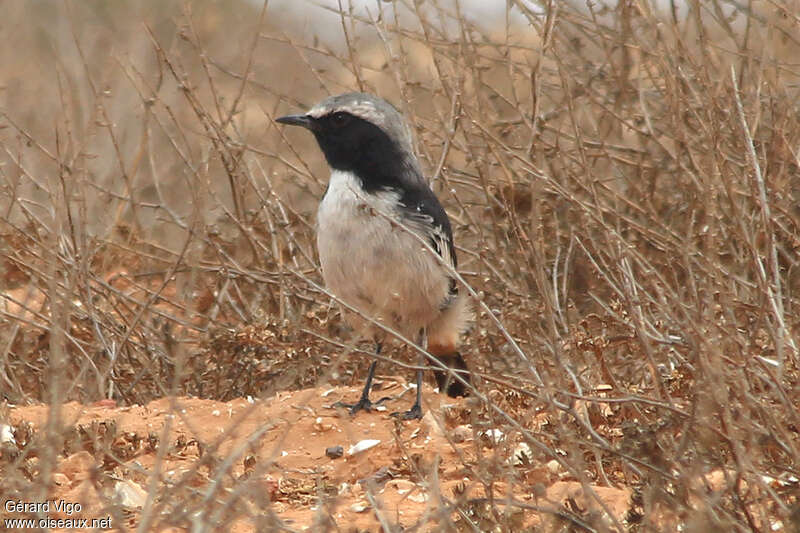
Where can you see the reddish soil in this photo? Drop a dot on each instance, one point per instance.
(276, 450)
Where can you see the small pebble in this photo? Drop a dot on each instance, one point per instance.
(7, 434)
(334, 452)
(491, 437)
(359, 507)
(461, 433)
(553, 466)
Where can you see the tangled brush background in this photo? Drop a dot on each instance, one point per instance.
(623, 182)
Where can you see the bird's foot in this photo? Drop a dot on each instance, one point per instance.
(415, 413)
(364, 404)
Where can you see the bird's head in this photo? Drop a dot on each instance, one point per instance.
(359, 133)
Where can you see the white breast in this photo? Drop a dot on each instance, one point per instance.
(372, 263)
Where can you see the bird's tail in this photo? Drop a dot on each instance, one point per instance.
(443, 337)
(446, 381)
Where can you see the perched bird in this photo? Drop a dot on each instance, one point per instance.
(373, 224)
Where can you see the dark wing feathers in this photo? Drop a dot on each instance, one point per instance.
(421, 208)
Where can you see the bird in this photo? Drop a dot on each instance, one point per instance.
(379, 229)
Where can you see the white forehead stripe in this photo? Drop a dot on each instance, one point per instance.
(361, 109)
(318, 110)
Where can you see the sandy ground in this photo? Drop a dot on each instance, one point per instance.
(252, 462)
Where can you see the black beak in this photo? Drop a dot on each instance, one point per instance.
(297, 120)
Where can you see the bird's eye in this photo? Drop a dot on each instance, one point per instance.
(340, 119)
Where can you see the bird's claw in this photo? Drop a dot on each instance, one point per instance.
(364, 404)
(415, 413)
(361, 405)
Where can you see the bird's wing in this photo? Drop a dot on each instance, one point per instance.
(421, 210)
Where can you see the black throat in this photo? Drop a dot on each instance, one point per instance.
(369, 153)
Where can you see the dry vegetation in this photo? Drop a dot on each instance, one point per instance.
(624, 187)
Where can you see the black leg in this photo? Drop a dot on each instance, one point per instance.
(415, 412)
(364, 403)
